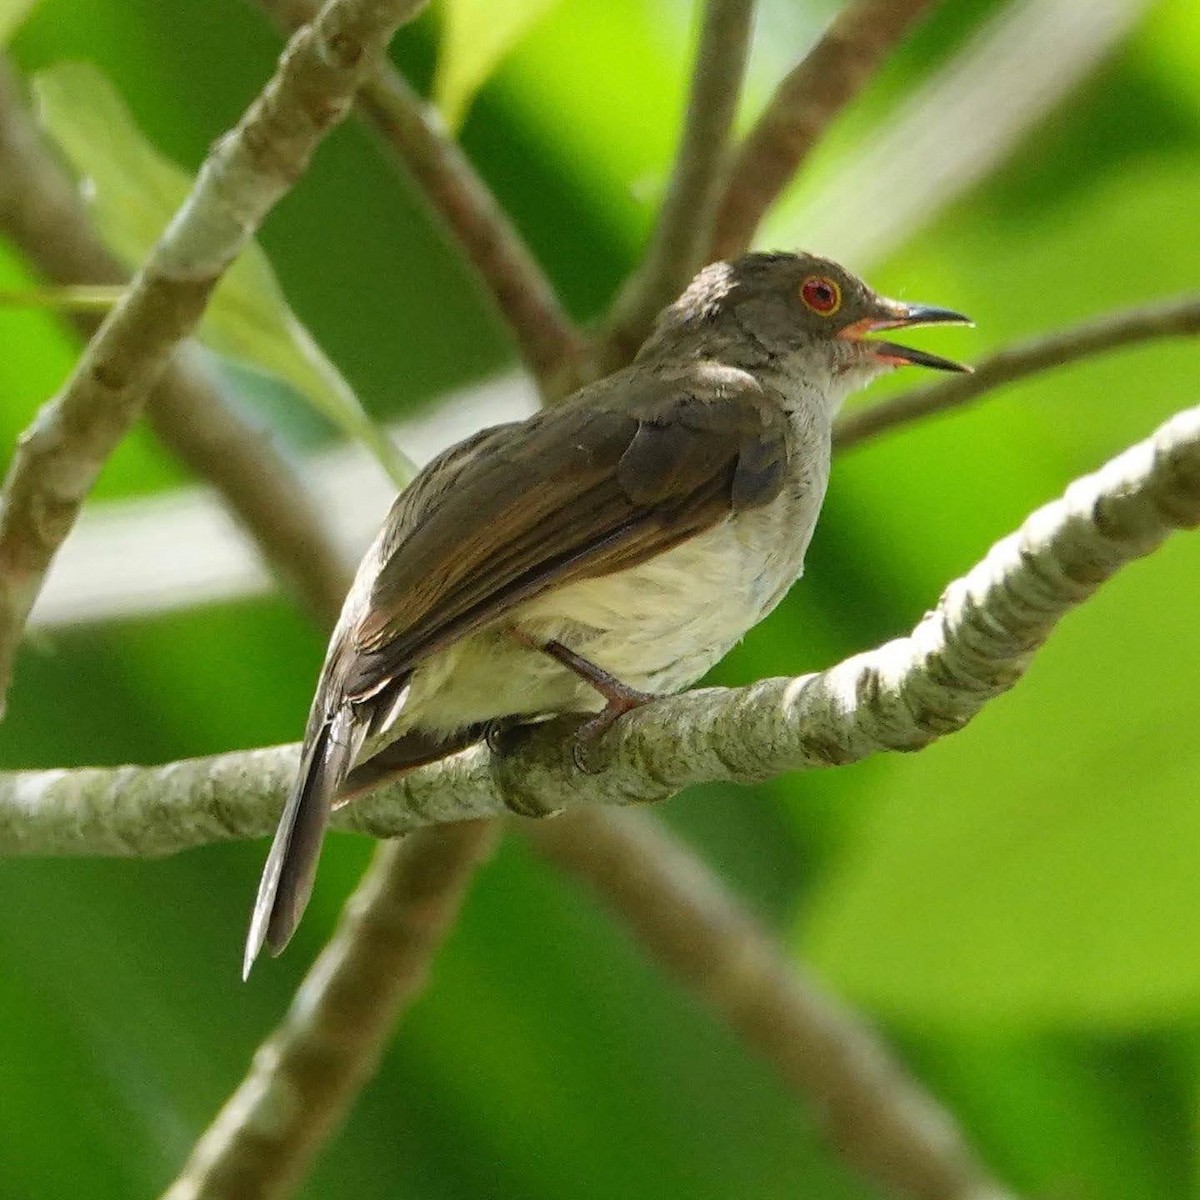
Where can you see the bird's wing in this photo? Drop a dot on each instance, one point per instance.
(577, 491)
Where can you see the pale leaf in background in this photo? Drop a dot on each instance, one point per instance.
(476, 35)
(134, 191)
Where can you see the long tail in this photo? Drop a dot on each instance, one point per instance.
(291, 866)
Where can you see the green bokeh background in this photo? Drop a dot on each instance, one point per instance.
(1018, 906)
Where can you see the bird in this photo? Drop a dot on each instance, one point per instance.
(608, 549)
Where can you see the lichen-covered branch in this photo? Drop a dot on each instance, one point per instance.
(868, 1106)
(829, 77)
(679, 242)
(509, 275)
(41, 212)
(60, 455)
(974, 645)
(1172, 318)
(307, 1073)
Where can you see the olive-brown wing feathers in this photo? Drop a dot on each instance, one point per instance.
(578, 491)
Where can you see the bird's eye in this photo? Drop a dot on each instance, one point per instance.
(822, 295)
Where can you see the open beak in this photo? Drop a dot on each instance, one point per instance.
(892, 314)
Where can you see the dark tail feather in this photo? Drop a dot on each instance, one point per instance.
(413, 749)
(287, 878)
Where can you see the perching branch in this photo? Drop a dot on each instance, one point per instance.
(816, 91)
(1174, 318)
(41, 212)
(507, 271)
(878, 1117)
(59, 457)
(903, 695)
(306, 1075)
(681, 234)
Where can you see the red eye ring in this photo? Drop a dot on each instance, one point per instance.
(821, 294)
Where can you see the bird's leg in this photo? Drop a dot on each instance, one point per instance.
(619, 699)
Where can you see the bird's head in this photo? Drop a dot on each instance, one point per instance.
(807, 314)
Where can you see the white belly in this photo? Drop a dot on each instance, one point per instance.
(657, 627)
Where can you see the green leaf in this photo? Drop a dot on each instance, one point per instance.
(12, 13)
(476, 35)
(133, 192)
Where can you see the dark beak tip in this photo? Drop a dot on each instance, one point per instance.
(932, 314)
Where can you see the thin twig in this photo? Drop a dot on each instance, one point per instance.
(1173, 318)
(521, 294)
(685, 221)
(306, 1075)
(816, 91)
(972, 647)
(67, 298)
(42, 213)
(878, 1117)
(59, 457)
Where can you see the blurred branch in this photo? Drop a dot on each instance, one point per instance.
(876, 1115)
(41, 212)
(307, 1073)
(59, 456)
(1174, 318)
(956, 127)
(804, 105)
(521, 295)
(680, 238)
(903, 695)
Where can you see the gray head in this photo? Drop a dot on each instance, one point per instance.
(799, 313)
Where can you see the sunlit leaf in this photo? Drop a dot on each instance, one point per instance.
(476, 35)
(12, 13)
(133, 192)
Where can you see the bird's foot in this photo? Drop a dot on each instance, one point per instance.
(619, 698)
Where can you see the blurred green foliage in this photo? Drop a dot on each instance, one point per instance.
(1018, 905)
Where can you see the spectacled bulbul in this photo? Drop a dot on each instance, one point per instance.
(607, 548)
